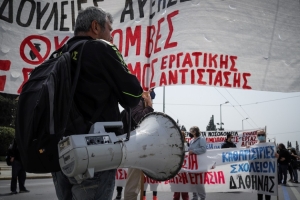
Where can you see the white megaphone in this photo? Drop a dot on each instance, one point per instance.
(156, 146)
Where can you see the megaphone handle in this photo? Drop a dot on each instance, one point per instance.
(129, 124)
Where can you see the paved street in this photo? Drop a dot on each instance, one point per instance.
(42, 187)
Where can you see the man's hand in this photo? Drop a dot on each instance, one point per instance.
(147, 98)
(191, 152)
(12, 159)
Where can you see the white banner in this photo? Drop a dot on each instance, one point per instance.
(251, 45)
(251, 169)
(241, 138)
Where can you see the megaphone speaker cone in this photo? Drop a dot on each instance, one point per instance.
(156, 146)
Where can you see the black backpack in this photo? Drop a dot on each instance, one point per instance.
(46, 112)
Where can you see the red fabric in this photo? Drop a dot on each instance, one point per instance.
(184, 195)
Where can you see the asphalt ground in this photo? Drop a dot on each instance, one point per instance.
(289, 192)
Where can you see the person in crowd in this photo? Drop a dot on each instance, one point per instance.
(290, 169)
(197, 146)
(261, 138)
(283, 162)
(18, 173)
(104, 83)
(228, 142)
(294, 158)
(119, 192)
(184, 195)
(134, 176)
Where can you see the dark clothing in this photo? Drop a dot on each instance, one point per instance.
(261, 197)
(283, 165)
(283, 153)
(290, 170)
(227, 144)
(282, 173)
(139, 111)
(17, 174)
(101, 186)
(184, 195)
(104, 81)
(14, 152)
(293, 162)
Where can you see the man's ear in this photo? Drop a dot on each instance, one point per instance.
(94, 27)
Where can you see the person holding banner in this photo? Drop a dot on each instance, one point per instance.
(261, 138)
(184, 195)
(228, 143)
(197, 146)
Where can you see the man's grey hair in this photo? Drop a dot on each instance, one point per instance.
(87, 15)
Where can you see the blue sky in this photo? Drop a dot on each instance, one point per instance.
(194, 105)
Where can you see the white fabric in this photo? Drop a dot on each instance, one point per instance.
(251, 45)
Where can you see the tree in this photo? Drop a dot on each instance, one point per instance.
(8, 106)
(211, 125)
(297, 146)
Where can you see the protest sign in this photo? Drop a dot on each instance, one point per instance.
(239, 169)
(250, 45)
(241, 138)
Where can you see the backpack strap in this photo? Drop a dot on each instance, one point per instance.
(129, 125)
(75, 78)
(99, 110)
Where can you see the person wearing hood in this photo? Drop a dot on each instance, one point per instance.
(228, 143)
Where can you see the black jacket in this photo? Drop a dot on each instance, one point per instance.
(104, 80)
(14, 151)
(283, 153)
(137, 113)
(227, 144)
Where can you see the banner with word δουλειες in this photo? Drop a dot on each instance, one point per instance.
(251, 45)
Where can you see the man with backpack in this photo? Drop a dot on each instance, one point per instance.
(104, 81)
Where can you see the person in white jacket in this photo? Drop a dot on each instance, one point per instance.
(197, 146)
